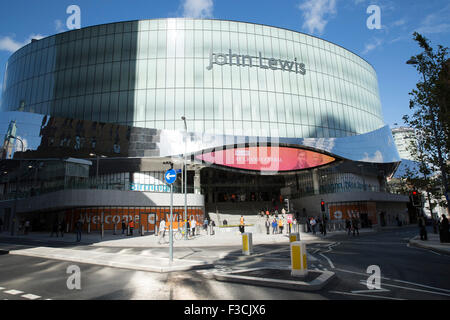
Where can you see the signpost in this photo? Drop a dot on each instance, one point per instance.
(170, 176)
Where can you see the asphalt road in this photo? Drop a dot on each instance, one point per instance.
(406, 273)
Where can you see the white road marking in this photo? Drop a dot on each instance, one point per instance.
(30, 296)
(419, 290)
(423, 249)
(364, 295)
(329, 261)
(385, 278)
(13, 292)
(371, 291)
(1, 288)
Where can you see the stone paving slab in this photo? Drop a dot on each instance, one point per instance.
(432, 243)
(125, 261)
(278, 278)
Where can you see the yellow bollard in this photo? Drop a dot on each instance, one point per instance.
(247, 245)
(299, 265)
(294, 237)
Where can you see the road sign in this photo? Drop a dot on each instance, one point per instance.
(179, 171)
(170, 176)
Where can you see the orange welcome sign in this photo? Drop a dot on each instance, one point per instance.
(114, 217)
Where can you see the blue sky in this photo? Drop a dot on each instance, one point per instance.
(340, 21)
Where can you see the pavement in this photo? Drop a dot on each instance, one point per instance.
(432, 243)
(67, 249)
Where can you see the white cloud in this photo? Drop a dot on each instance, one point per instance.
(197, 8)
(59, 26)
(436, 22)
(316, 14)
(372, 45)
(11, 45)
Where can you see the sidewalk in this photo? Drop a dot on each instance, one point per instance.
(432, 243)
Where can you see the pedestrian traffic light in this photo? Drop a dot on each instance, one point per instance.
(286, 204)
(322, 206)
(416, 199)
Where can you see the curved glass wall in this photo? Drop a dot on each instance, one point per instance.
(150, 73)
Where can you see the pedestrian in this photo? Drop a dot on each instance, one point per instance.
(267, 213)
(78, 228)
(131, 225)
(62, 227)
(268, 226)
(193, 224)
(274, 226)
(348, 226)
(213, 224)
(162, 231)
(242, 224)
(308, 225)
(55, 227)
(205, 225)
(295, 226)
(313, 223)
(443, 230)
(124, 226)
(27, 226)
(355, 226)
(422, 230)
(280, 225)
(324, 226)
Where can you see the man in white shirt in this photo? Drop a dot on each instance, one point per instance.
(193, 224)
(313, 223)
(162, 231)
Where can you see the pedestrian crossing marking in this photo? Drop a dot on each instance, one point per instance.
(31, 296)
(13, 292)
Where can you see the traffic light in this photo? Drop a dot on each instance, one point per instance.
(322, 206)
(286, 204)
(416, 198)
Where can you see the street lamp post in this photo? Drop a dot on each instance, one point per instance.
(185, 180)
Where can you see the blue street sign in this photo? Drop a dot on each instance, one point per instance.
(179, 171)
(170, 176)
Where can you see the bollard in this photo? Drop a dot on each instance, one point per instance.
(128, 230)
(89, 227)
(299, 265)
(103, 231)
(115, 228)
(294, 237)
(247, 244)
(142, 230)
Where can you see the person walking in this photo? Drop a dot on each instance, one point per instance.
(78, 229)
(308, 225)
(193, 224)
(131, 225)
(444, 231)
(422, 230)
(62, 227)
(348, 226)
(280, 225)
(267, 223)
(162, 231)
(124, 226)
(205, 225)
(27, 226)
(355, 226)
(324, 226)
(213, 224)
(55, 227)
(274, 226)
(313, 223)
(242, 224)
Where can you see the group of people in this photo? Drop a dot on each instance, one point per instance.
(313, 222)
(442, 226)
(192, 228)
(278, 225)
(352, 226)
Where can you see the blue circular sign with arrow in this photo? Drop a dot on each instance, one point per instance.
(170, 176)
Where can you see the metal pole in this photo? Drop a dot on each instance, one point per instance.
(170, 226)
(185, 181)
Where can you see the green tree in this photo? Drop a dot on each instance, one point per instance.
(429, 103)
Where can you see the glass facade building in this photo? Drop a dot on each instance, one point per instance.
(252, 96)
(150, 73)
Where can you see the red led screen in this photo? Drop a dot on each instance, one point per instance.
(266, 158)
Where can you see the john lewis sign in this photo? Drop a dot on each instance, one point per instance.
(259, 61)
